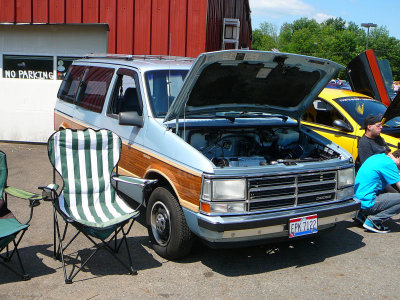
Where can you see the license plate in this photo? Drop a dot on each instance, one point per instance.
(303, 226)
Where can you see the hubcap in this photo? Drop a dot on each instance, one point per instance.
(160, 223)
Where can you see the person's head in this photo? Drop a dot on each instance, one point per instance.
(395, 155)
(372, 126)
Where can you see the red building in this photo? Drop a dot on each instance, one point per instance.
(159, 27)
(41, 38)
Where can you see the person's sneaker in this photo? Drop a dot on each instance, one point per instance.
(360, 218)
(371, 226)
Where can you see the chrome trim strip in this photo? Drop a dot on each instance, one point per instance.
(316, 193)
(271, 188)
(277, 198)
(282, 229)
(312, 183)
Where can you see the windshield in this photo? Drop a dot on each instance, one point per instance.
(162, 87)
(359, 108)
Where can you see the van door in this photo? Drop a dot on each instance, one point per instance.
(125, 97)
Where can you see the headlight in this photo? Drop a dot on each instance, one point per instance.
(219, 190)
(229, 189)
(345, 177)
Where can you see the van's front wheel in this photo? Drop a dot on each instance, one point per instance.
(166, 224)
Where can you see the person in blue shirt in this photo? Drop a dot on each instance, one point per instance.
(377, 205)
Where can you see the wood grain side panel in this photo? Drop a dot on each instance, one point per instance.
(62, 121)
(186, 185)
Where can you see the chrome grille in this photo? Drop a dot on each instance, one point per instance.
(291, 190)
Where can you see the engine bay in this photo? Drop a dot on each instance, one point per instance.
(246, 147)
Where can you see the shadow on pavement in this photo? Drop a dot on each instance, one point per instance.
(103, 263)
(32, 263)
(272, 257)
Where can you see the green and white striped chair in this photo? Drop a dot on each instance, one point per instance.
(85, 159)
(12, 230)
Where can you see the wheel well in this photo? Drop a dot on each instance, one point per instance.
(161, 181)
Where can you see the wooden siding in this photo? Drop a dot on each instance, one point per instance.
(90, 11)
(159, 27)
(40, 11)
(57, 11)
(178, 16)
(125, 26)
(142, 35)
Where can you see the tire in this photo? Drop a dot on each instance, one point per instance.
(166, 225)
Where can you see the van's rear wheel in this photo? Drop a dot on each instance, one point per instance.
(166, 224)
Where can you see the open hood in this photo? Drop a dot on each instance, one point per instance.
(367, 76)
(241, 81)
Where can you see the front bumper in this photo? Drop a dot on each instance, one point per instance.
(231, 229)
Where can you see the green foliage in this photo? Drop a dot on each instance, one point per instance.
(332, 39)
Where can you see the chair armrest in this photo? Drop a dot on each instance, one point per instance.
(32, 197)
(133, 180)
(49, 192)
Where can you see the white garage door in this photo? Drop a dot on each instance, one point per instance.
(33, 59)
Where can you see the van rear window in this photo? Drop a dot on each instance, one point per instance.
(70, 84)
(93, 90)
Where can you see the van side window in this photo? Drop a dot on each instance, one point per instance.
(126, 96)
(93, 89)
(70, 84)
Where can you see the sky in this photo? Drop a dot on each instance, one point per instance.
(381, 12)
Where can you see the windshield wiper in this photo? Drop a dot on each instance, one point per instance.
(231, 116)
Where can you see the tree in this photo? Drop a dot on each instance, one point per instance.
(332, 39)
(266, 37)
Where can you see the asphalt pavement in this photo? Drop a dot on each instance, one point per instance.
(347, 262)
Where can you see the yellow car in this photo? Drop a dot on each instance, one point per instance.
(339, 114)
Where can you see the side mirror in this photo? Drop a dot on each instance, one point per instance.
(130, 118)
(340, 124)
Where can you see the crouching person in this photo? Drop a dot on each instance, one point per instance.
(377, 205)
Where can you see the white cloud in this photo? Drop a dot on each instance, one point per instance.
(321, 17)
(280, 8)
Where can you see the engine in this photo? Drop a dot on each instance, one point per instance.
(257, 147)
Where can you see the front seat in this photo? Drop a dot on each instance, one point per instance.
(130, 102)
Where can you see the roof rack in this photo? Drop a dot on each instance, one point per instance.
(141, 57)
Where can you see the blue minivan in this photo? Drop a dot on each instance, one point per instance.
(221, 135)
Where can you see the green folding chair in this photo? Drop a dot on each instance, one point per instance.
(88, 200)
(12, 230)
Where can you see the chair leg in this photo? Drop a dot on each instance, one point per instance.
(7, 259)
(60, 250)
(54, 233)
(121, 241)
(25, 276)
(133, 271)
(106, 245)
